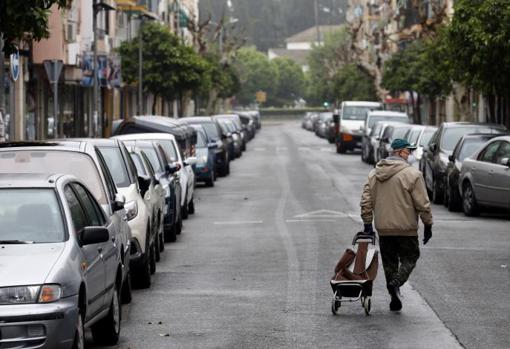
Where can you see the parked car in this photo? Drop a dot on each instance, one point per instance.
(248, 124)
(61, 269)
(307, 122)
(214, 135)
(352, 118)
(373, 117)
(235, 120)
(436, 153)
(85, 162)
(390, 133)
(466, 147)
(184, 172)
(484, 180)
(323, 124)
(145, 218)
(420, 136)
(231, 137)
(204, 168)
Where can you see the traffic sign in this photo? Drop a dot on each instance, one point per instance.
(53, 69)
(15, 65)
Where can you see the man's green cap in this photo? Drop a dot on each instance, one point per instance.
(399, 143)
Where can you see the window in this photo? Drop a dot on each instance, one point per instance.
(116, 165)
(503, 152)
(469, 147)
(77, 214)
(30, 215)
(413, 135)
(376, 118)
(452, 135)
(107, 176)
(169, 148)
(356, 113)
(211, 130)
(426, 136)
(140, 169)
(149, 165)
(488, 155)
(95, 217)
(201, 140)
(153, 158)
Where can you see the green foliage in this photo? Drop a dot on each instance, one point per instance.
(220, 76)
(170, 68)
(290, 85)
(351, 83)
(25, 19)
(256, 73)
(479, 37)
(423, 67)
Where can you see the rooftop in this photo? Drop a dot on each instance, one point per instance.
(310, 34)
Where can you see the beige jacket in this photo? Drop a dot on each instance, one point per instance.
(394, 197)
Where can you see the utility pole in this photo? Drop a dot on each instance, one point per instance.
(140, 110)
(95, 104)
(2, 89)
(316, 11)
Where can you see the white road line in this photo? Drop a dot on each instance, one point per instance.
(309, 220)
(237, 222)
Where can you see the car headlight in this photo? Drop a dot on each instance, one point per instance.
(131, 208)
(30, 294)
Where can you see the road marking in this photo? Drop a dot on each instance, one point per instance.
(326, 150)
(322, 214)
(259, 149)
(309, 220)
(238, 222)
(279, 149)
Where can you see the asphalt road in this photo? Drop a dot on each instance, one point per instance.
(252, 266)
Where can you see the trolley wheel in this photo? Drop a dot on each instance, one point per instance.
(367, 305)
(335, 305)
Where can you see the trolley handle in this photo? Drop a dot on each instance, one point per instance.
(362, 235)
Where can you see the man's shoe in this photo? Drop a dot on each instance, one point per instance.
(394, 288)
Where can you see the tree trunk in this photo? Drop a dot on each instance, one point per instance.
(154, 104)
(211, 103)
(492, 107)
(418, 109)
(413, 105)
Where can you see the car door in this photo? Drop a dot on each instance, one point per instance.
(429, 158)
(501, 176)
(97, 218)
(93, 264)
(480, 172)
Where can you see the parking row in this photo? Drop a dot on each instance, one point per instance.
(82, 221)
(466, 165)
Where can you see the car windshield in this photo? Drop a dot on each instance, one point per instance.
(356, 113)
(153, 158)
(471, 145)
(426, 136)
(376, 118)
(116, 165)
(140, 169)
(452, 135)
(413, 135)
(169, 148)
(77, 164)
(211, 130)
(30, 216)
(399, 132)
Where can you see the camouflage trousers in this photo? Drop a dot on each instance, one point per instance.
(399, 256)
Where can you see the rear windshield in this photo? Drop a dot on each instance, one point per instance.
(201, 140)
(116, 165)
(356, 113)
(426, 136)
(77, 164)
(452, 135)
(376, 118)
(471, 145)
(30, 215)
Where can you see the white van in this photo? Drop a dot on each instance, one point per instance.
(352, 120)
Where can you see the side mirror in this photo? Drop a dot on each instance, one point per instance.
(212, 145)
(144, 182)
(425, 148)
(505, 162)
(119, 202)
(451, 158)
(433, 147)
(171, 168)
(385, 140)
(190, 161)
(94, 235)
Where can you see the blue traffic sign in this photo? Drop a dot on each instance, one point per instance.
(15, 66)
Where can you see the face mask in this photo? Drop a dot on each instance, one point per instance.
(411, 159)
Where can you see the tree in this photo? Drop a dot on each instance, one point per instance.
(171, 69)
(479, 38)
(27, 19)
(351, 83)
(291, 81)
(256, 73)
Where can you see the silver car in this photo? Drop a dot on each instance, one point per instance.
(85, 162)
(61, 270)
(484, 180)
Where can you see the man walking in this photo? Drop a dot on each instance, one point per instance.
(393, 198)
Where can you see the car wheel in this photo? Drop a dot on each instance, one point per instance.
(340, 148)
(446, 198)
(152, 259)
(469, 204)
(209, 182)
(79, 333)
(178, 226)
(126, 295)
(363, 155)
(437, 196)
(184, 209)
(107, 331)
(191, 206)
(227, 169)
(143, 275)
(170, 234)
(157, 250)
(453, 200)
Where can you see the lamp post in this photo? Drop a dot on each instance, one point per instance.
(97, 6)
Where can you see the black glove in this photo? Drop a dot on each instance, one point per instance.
(427, 234)
(368, 229)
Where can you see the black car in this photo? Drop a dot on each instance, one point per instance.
(391, 133)
(248, 124)
(214, 135)
(466, 147)
(435, 155)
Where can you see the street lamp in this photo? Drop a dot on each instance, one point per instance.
(142, 17)
(97, 6)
